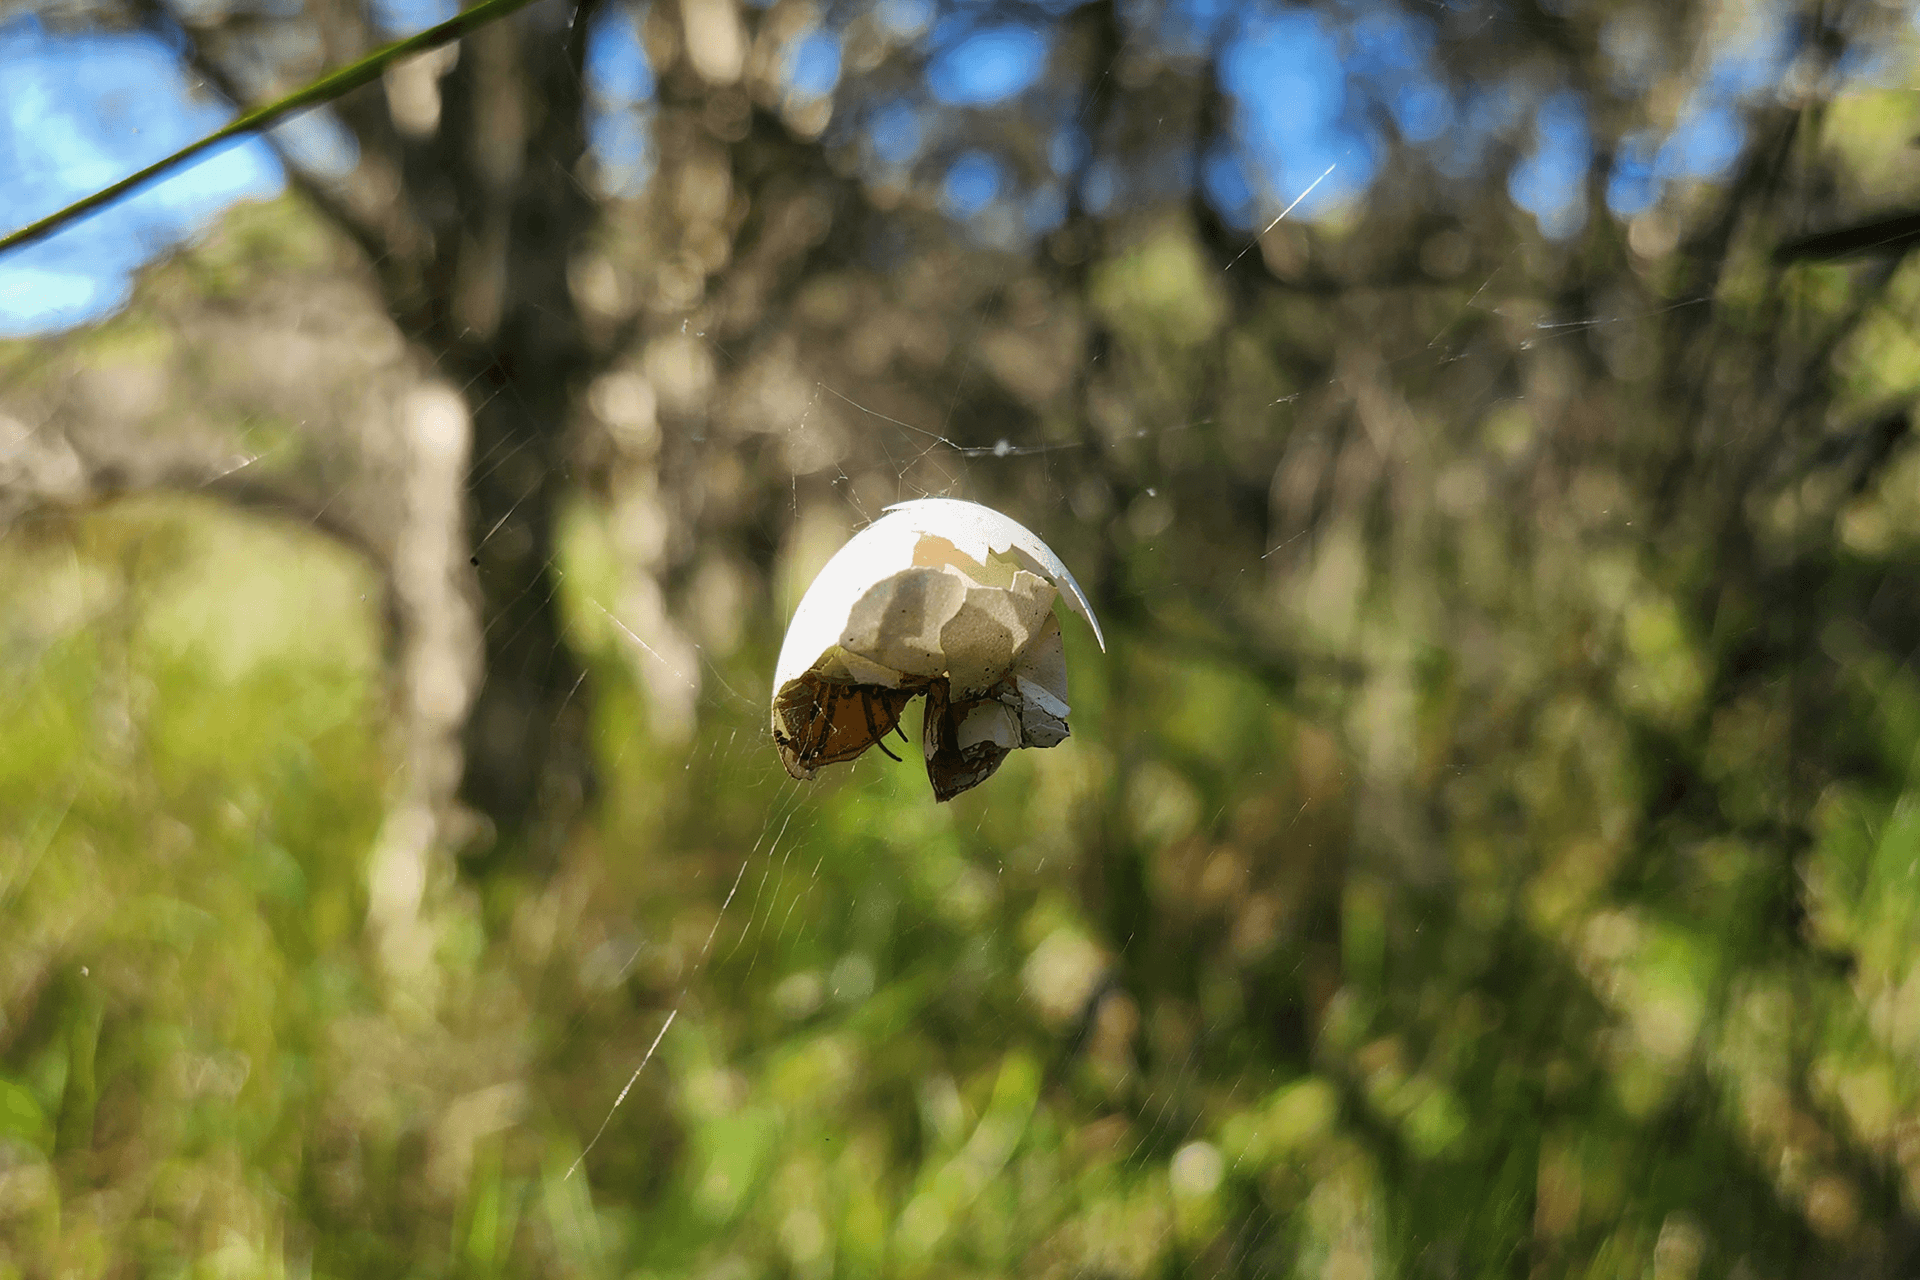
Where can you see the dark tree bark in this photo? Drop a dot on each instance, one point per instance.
(514, 339)
(470, 220)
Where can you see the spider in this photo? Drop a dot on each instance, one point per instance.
(827, 738)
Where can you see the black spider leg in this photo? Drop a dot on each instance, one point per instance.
(822, 708)
(879, 734)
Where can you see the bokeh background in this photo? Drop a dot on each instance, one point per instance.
(1490, 845)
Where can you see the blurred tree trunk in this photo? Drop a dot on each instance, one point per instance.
(512, 138)
(468, 200)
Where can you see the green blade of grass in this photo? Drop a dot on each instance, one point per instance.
(323, 90)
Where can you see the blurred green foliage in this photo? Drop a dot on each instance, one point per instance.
(191, 773)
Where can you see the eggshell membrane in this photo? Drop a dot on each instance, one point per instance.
(984, 536)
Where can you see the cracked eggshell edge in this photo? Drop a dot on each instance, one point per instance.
(885, 547)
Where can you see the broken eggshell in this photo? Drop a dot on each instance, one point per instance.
(941, 597)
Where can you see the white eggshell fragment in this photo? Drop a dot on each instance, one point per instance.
(941, 597)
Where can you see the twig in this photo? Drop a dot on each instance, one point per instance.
(321, 91)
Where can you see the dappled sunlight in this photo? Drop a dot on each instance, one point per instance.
(1487, 835)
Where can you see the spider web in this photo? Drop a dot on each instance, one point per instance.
(768, 904)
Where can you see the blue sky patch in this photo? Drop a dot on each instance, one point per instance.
(813, 64)
(57, 145)
(972, 183)
(987, 66)
(1550, 181)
